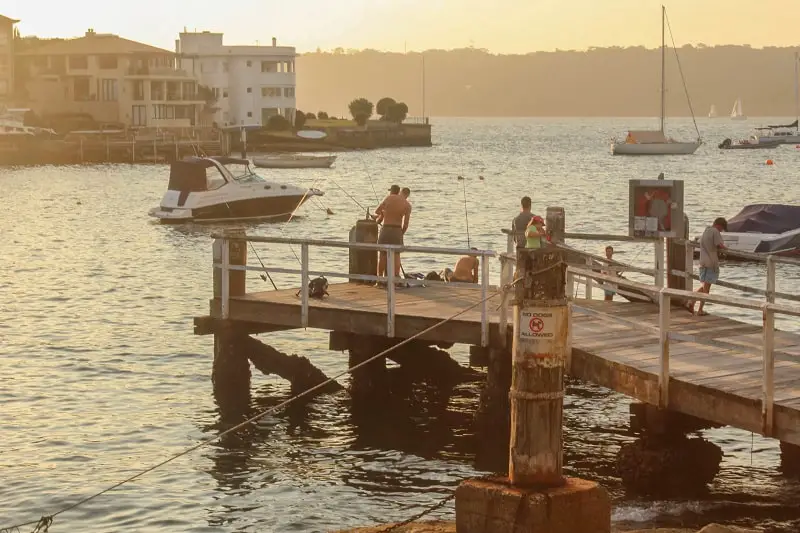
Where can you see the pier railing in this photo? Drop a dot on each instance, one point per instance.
(306, 272)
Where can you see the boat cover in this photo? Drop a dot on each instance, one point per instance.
(765, 218)
(188, 175)
(646, 137)
(792, 125)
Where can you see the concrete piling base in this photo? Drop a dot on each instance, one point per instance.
(494, 506)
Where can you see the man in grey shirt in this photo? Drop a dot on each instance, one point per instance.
(710, 243)
(520, 221)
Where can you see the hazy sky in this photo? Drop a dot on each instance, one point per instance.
(503, 26)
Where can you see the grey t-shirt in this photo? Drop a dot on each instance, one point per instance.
(519, 224)
(709, 243)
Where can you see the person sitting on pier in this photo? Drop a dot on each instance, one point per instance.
(534, 233)
(395, 212)
(710, 244)
(466, 270)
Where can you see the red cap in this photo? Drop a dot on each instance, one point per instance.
(538, 220)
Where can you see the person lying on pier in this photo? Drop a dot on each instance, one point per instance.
(466, 270)
(710, 244)
(395, 213)
(609, 291)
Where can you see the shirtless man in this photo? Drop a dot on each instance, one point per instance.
(395, 211)
(466, 270)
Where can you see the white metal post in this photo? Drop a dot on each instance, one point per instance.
(769, 372)
(659, 262)
(663, 329)
(771, 279)
(226, 277)
(589, 264)
(304, 285)
(484, 301)
(390, 293)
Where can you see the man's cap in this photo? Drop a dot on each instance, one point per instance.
(394, 188)
(538, 220)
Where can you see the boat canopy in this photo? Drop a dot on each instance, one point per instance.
(225, 160)
(792, 125)
(766, 218)
(189, 175)
(646, 137)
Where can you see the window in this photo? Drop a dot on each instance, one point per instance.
(107, 62)
(270, 92)
(138, 90)
(288, 92)
(249, 63)
(108, 90)
(80, 89)
(249, 114)
(138, 115)
(163, 111)
(224, 93)
(267, 112)
(269, 66)
(78, 62)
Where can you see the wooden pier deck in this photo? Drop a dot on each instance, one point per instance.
(723, 384)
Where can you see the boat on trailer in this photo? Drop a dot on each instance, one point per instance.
(217, 189)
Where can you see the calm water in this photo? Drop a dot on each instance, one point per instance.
(102, 375)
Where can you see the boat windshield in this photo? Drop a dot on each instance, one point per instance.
(244, 174)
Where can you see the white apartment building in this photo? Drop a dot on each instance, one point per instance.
(251, 83)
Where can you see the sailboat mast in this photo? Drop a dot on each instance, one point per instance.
(423, 85)
(796, 90)
(663, 58)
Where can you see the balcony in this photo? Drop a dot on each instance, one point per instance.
(157, 72)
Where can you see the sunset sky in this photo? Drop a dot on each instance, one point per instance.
(502, 26)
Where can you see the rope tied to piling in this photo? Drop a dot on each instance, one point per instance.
(42, 525)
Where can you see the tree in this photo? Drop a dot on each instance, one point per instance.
(397, 112)
(299, 120)
(361, 118)
(361, 106)
(383, 106)
(278, 123)
(322, 115)
(311, 116)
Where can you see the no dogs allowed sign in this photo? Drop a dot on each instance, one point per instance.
(539, 324)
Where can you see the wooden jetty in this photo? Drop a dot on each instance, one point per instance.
(715, 369)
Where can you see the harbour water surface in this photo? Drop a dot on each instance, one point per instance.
(102, 375)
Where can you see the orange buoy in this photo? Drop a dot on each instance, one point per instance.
(770, 162)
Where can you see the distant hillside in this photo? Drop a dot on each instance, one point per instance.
(598, 82)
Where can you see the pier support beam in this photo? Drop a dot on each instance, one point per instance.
(230, 374)
(790, 459)
(536, 496)
(663, 460)
(368, 383)
(493, 418)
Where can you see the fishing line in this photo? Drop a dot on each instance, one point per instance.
(369, 176)
(262, 276)
(466, 211)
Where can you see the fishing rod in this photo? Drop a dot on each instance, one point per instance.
(466, 211)
(262, 276)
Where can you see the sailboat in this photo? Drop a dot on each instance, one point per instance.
(712, 113)
(786, 133)
(655, 142)
(736, 112)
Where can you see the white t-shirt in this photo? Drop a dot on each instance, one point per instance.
(709, 244)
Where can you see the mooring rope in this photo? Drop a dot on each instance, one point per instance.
(43, 523)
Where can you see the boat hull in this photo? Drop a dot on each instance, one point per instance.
(754, 146)
(672, 148)
(310, 162)
(783, 139)
(265, 208)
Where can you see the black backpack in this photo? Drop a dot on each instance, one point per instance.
(317, 288)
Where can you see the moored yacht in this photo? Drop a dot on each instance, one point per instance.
(205, 189)
(765, 229)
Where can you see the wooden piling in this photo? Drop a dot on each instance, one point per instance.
(539, 358)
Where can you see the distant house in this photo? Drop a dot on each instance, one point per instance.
(113, 79)
(6, 57)
(250, 83)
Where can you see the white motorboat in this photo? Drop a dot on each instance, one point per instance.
(205, 189)
(765, 229)
(294, 161)
(753, 143)
(736, 112)
(656, 142)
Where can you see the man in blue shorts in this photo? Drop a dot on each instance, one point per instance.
(710, 243)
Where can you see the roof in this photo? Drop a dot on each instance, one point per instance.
(7, 19)
(96, 44)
